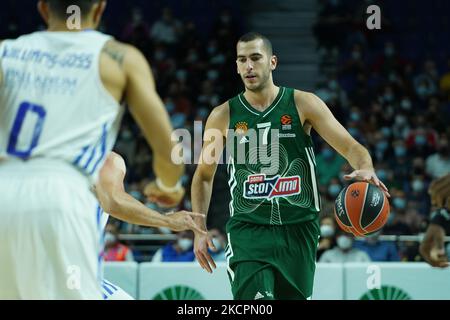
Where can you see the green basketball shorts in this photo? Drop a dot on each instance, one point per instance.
(272, 262)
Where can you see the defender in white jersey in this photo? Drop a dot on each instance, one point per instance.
(113, 199)
(59, 115)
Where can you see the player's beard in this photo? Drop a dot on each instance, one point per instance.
(262, 84)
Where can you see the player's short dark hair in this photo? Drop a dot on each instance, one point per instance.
(59, 7)
(250, 36)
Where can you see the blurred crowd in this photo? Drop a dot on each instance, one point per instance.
(394, 103)
(392, 95)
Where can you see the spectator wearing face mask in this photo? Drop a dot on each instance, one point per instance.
(219, 242)
(114, 250)
(396, 224)
(438, 164)
(179, 251)
(327, 240)
(344, 251)
(329, 163)
(418, 197)
(378, 250)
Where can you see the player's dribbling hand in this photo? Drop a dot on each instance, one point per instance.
(162, 198)
(432, 247)
(439, 191)
(201, 244)
(184, 220)
(368, 176)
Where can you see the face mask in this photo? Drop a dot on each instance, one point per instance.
(354, 116)
(422, 91)
(417, 185)
(326, 231)
(216, 242)
(170, 107)
(159, 55)
(354, 132)
(356, 55)
(109, 238)
(225, 19)
(392, 77)
(399, 203)
(400, 120)
(390, 219)
(389, 51)
(178, 120)
(382, 175)
(333, 190)
(192, 57)
(382, 145)
(388, 97)
(405, 104)
(400, 151)
(344, 242)
(212, 75)
(211, 50)
(164, 230)
(333, 85)
(181, 75)
(386, 132)
(420, 140)
(327, 153)
(126, 135)
(135, 194)
(184, 244)
(218, 59)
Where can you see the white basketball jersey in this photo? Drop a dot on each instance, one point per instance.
(52, 101)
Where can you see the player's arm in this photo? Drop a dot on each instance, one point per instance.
(148, 110)
(316, 113)
(439, 191)
(202, 181)
(119, 204)
(432, 247)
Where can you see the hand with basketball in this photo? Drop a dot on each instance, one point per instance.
(163, 196)
(361, 209)
(368, 176)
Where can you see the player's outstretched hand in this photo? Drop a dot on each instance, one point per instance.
(162, 198)
(439, 191)
(201, 244)
(368, 176)
(184, 220)
(432, 247)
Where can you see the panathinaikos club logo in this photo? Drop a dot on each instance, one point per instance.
(386, 293)
(178, 293)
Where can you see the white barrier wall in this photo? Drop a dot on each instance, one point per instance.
(332, 281)
(183, 280)
(398, 281)
(123, 274)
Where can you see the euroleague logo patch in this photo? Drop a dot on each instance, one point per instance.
(286, 122)
(257, 186)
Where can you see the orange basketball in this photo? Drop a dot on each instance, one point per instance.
(361, 209)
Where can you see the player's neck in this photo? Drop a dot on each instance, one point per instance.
(58, 26)
(262, 99)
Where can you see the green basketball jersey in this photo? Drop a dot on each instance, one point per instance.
(271, 163)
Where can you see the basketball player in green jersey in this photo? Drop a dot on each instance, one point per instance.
(273, 228)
